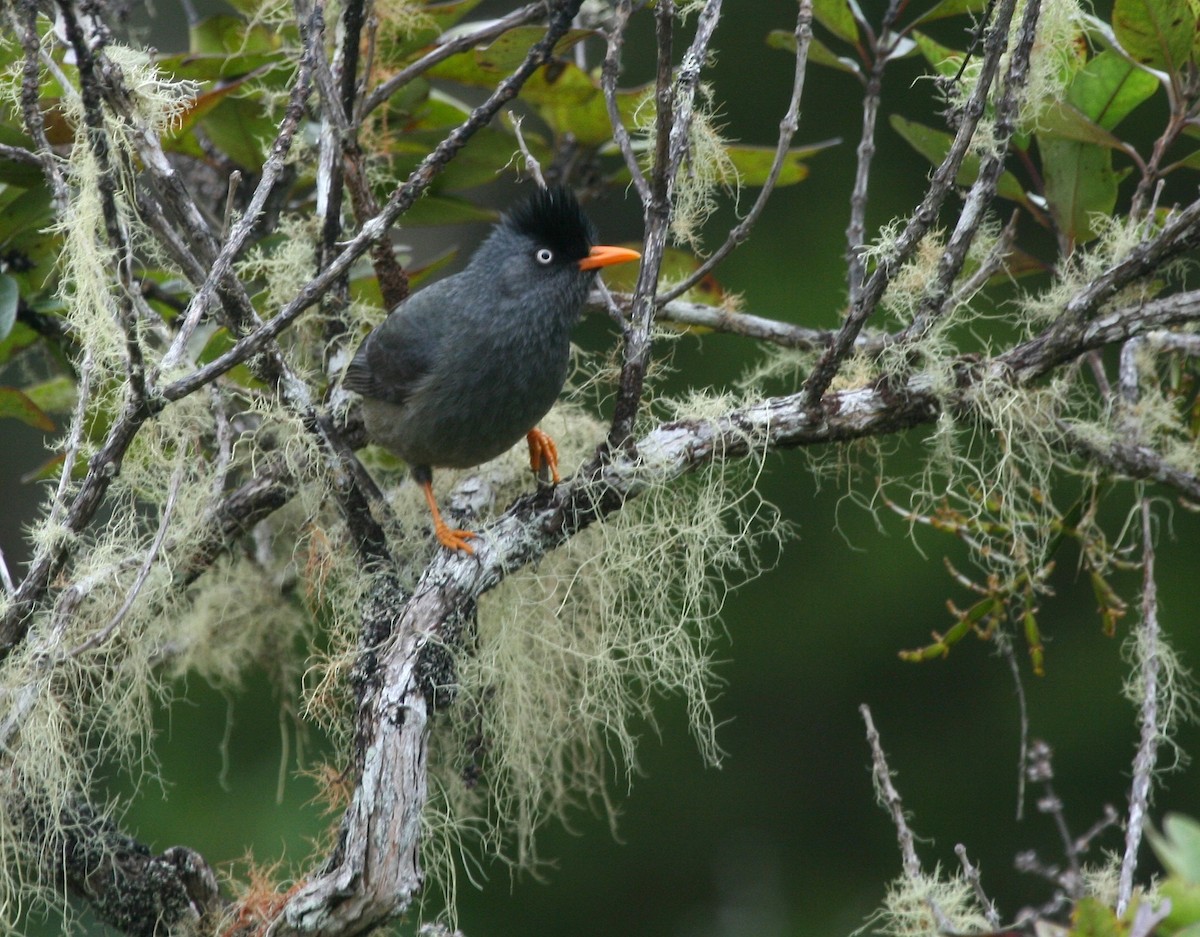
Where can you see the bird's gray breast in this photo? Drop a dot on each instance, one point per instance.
(499, 374)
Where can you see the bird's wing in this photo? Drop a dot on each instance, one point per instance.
(398, 353)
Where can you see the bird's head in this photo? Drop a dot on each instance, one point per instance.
(546, 249)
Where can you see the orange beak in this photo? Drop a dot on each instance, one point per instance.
(604, 256)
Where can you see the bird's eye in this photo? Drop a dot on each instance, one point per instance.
(544, 256)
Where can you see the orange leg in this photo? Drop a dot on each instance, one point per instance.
(542, 453)
(449, 537)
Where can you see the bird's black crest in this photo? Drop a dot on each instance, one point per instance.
(554, 218)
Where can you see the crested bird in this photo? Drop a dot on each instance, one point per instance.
(463, 368)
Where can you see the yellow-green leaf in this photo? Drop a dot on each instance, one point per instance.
(951, 8)
(56, 395)
(753, 163)
(16, 405)
(1108, 88)
(818, 52)
(1158, 33)
(935, 144)
(837, 17)
(1079, 184)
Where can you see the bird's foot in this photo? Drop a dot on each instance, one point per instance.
(454, 539)
(543, 454)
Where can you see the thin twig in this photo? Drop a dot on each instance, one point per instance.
(1010, 655)
(881, 49)
(531, 163)
(978, 202)
(1151, 730)
(5, 575)
(889, 797)
(941, 184)
(609, 73)
(971, 873)
(787, 130)
(83, 399)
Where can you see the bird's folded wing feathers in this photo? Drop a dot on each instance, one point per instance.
(390, 362)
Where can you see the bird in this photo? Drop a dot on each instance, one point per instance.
(462, 369)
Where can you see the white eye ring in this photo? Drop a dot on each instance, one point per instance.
(544, 256)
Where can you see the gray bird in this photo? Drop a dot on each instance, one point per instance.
(462, 369)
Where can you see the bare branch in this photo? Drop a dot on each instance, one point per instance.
(675, 107)
(971, 873)
(609, 74)
(31, 109)
(719, 319)
(940, 186)
(221, 266)
(889, 797)
(1151, 729)
(856, 232)
(787, 130)
(983, 191)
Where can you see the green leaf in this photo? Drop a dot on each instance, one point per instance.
(219, 342)
(447, 14)
(52, 468)
(818, 52)
(753, 163)
(18, 172)
(951, 8)
(1092, 918)
(56, 395)
(1064, 122)
(272, 68)
(1157, 33)
(20, 338)
(240, 128)
(10, 295)
(1108, 88)
(935, 144)
(944, 60)
(224, 35)
(1191, 161)
(15, 405)
(23, 211)
(441, 18)
(478, 163)
(439, 210)
(567, 98)
(837, 17)
(492, 63)
(677, 265)
(1178, 846)
(1185, 905)
(1079, 184)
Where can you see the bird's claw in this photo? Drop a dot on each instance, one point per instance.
(543, 454)
(454, 539)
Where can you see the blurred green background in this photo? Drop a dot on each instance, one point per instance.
(785, 837)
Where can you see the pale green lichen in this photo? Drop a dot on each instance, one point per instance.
(571, 655)
(928, 905)
(706, 169)
(1174, 688)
